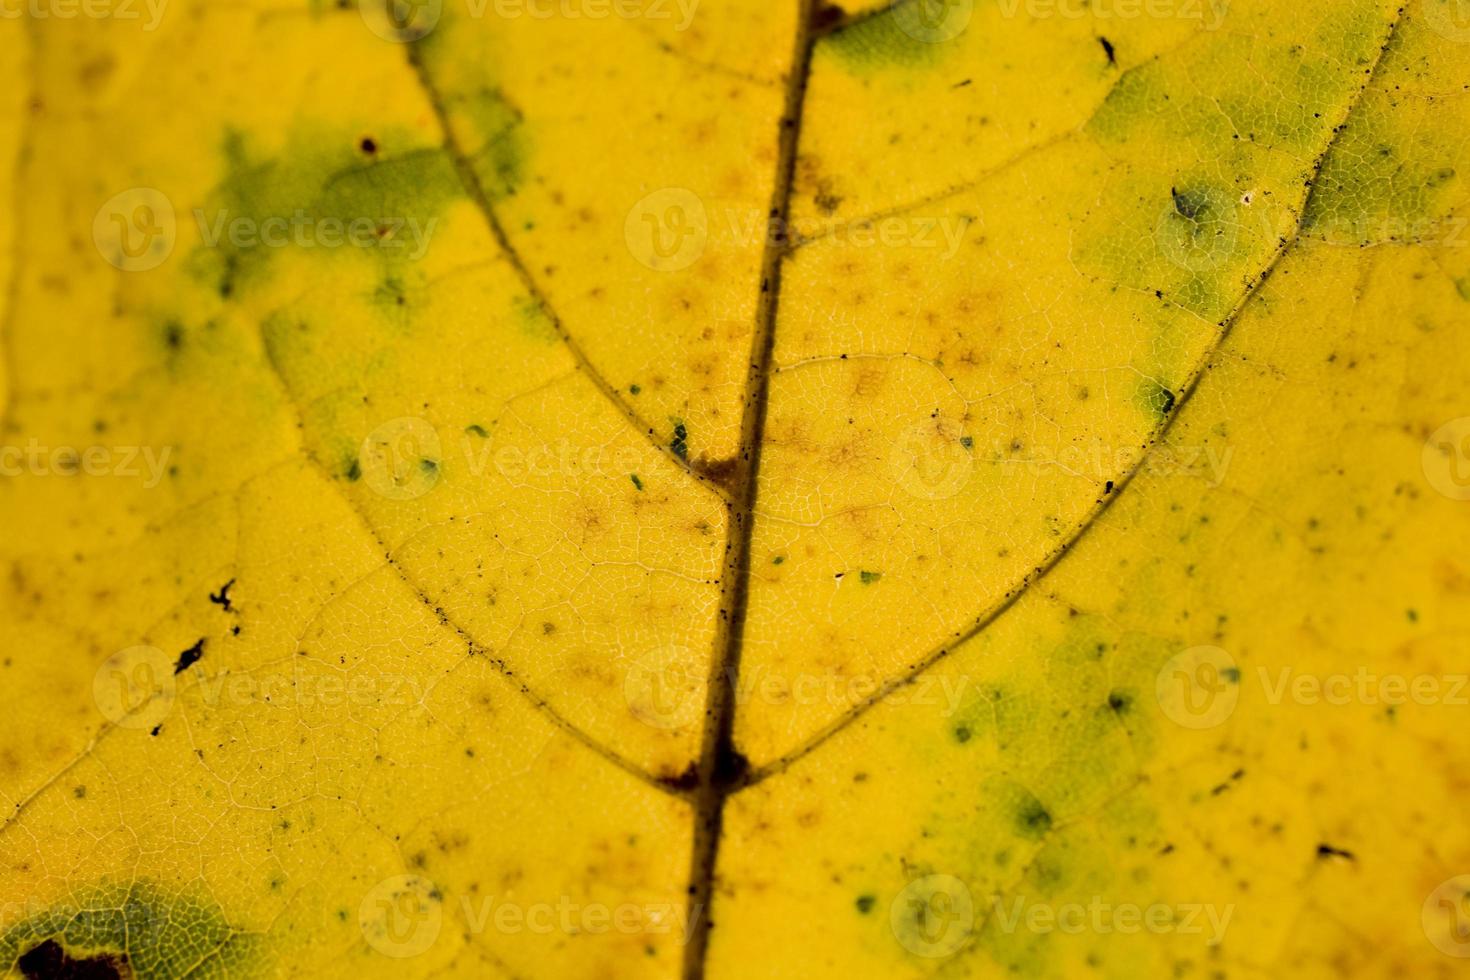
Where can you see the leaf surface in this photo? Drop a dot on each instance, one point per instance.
(752, 491)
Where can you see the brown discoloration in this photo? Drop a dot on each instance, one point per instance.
(724, 473)
(49, 960)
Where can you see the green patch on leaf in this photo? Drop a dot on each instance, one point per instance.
(136, 929)
(1155, 398)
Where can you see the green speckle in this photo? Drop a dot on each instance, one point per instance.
(429, 466)
(354, 471)
(1156, 399)
(1032, 819)
(635, 389)
(868, 578)
(534, 322)
(778, 560)
(476, 430)
(1462, 285)
(392, 295)
(865, 903)
(500, 163)
(962, 733)
(1034, 822)
(636, 482)
(1120, 701)
(1413, 615)
(679, 445)
(967, 441)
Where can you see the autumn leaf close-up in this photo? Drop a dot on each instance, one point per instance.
(724, 489)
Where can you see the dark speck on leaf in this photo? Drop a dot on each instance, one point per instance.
(1190, 204)
(189, 657)
(222, 598)
(825, 16)
(679, 445)
(1108, 47)
(49, 960)
(1033, 819)
(864, 903)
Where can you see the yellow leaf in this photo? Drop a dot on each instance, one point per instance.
(610, 488)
